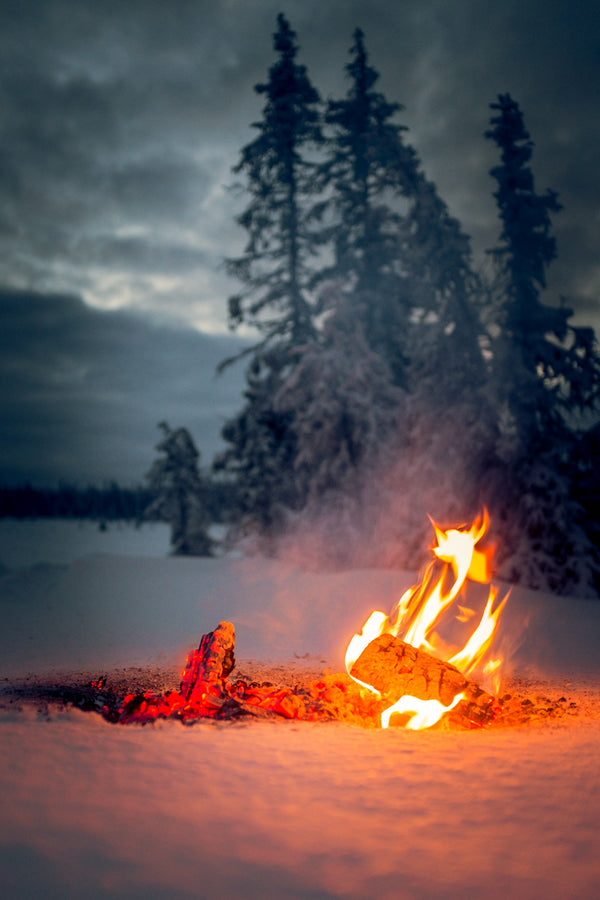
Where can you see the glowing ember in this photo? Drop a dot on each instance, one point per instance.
(421, 613)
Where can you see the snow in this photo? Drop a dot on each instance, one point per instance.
(29, 541)
(258, 809)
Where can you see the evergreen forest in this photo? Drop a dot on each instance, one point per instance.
(391, 378)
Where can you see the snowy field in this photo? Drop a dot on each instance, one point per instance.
(255, 809)
(30, 541)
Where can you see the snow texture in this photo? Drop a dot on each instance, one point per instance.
(257, 809)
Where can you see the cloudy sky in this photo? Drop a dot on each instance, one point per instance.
(119, 126)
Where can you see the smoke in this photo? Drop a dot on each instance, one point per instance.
(383, 521)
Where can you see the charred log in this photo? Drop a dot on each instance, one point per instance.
(395, 668)
(211, 663)
(202, 693)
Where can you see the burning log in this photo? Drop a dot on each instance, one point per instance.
(211, 663)
(202, 693)
(395, 669)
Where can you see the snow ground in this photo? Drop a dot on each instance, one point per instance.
(255, 809)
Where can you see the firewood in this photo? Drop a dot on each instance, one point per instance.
(395, 668)
(211, 663)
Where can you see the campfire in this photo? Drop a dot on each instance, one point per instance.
(426, 673)
(431, 659)
(432, 663)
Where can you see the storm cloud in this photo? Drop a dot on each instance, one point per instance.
(119, 125)
(82, 390)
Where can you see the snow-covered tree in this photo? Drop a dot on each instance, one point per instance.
(275, 266)
(342, 404)
(543, 369)
(275, 273)
(404, 261)
(176, 485)
(259, 458)
(554, 365)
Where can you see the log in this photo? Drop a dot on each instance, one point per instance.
(395, 668)
(211, 663)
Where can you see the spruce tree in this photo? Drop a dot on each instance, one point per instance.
(275, 272)
(400, 255)
(175, 482)
(543, 369)
(259, 459)
(367, 171)
(555, 366)
(275, 265)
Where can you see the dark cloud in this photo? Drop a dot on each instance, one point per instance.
(81, 390)
(127, 118)
(119, 124)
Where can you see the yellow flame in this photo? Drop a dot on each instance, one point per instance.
(373, 627)
(457, 559)
(473, 651)
(425, 713)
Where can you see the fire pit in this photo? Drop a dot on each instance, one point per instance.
(432, 663)
(403, 669)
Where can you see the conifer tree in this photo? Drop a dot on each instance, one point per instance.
(275, 272)
(396, 247)
(175, 482)
(552, 366)
(344, 404)
(543, 368)
(367, 166)
(274, 267)
(262, 447)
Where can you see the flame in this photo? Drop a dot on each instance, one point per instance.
(425, 713)
(421, 609)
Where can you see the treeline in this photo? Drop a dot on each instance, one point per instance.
(107, 503)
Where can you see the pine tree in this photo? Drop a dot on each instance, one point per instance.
(366, 174)
(344, 405)
(176, 485)
(259, 459)
(344, 410)
(554, 367)
(448, 330)
(274, 267)
(398, 252)
(543, 369)
(275, 271)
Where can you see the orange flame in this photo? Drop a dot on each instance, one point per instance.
(421, 609)
(424, 713)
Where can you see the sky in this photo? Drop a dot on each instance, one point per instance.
(119, 127)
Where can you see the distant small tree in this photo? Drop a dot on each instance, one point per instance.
(176, 485)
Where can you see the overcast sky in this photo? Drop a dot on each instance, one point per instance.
(120, 123)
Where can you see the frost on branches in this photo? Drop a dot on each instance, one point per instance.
(393, 380)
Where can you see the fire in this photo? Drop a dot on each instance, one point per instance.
(424, 713)
(423, 609)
